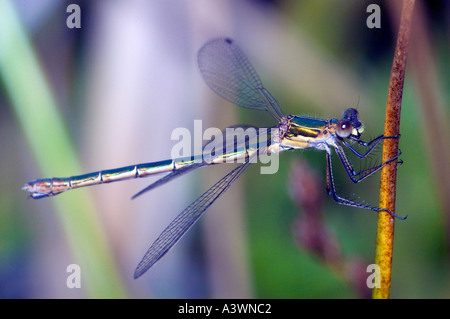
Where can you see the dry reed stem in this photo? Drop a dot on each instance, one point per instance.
(385, 228)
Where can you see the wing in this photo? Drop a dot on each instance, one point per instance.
(227, 71)
(168, 178)
(236, 139)
(181, 224)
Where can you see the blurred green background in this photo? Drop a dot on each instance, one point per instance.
(110, 93)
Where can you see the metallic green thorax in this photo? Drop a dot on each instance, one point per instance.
(309, 122)
(301, 132)
(305, 126)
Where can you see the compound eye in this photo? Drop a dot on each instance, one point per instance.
(344, 128)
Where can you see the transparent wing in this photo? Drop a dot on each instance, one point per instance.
(168, 178)
(227, 71)
(235, 140)
(181, 224)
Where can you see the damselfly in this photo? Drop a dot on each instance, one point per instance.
(228, 72)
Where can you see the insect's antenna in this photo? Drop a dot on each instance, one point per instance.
(357, 105)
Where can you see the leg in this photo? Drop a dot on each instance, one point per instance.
(343, 201)
(372, 144)
(366, 172)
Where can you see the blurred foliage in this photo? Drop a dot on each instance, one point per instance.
(280, 268)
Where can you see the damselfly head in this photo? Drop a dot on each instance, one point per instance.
(357, 128)
(344, 128)
(351, 115)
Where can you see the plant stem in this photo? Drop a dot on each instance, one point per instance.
(385, 228)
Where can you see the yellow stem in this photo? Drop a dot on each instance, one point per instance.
(385, 229)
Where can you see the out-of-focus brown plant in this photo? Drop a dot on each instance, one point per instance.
(312, 233)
